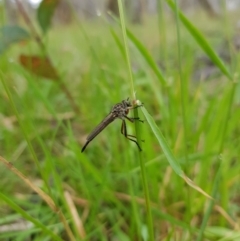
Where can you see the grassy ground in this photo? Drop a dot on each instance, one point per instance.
(100, 192)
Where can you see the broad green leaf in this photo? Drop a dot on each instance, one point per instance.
(45, 12)
(10, 35)
(201, 40)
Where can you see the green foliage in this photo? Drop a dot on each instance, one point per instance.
(202, 42)
(165, 147)
(10, 35)
(42, 135)
(45, 13)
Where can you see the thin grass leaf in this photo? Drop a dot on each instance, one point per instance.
(24, 214)
(137, 127)
(201, 40)
(168, 153)
(36, 189)
(41, 193)
(164, 145)
(118, 42)
(147, 56)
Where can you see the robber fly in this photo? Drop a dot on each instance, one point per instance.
(119, 111)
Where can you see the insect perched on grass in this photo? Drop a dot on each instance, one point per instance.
(120, 111)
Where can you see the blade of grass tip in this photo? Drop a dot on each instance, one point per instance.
(168, 153)
(137, 127)
(201, 40)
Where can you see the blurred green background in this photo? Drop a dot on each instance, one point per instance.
(62, 68)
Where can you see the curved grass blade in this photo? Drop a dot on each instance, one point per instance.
(163, 143)
(147, 56)
(118, 42)
(144, 52)
(201, 40)
(168, 153)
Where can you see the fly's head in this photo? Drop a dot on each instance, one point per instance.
(126, 105)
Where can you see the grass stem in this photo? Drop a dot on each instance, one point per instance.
(137, 125)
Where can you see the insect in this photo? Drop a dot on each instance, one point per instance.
(119, 111)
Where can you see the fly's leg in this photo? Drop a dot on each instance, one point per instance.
(124, 132)
(132, 119)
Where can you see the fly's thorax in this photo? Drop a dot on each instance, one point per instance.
(119, 110)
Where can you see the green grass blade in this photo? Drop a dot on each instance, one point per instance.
(163, 143)
(118, 42)
(147, 56)
(145, 53)
(123, 27)
(168, 153)
(137, 127)
(201, 40)
(28, 217)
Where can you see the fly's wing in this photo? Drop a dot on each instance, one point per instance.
(108, 119)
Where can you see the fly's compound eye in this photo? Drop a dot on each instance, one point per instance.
(128, 104)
